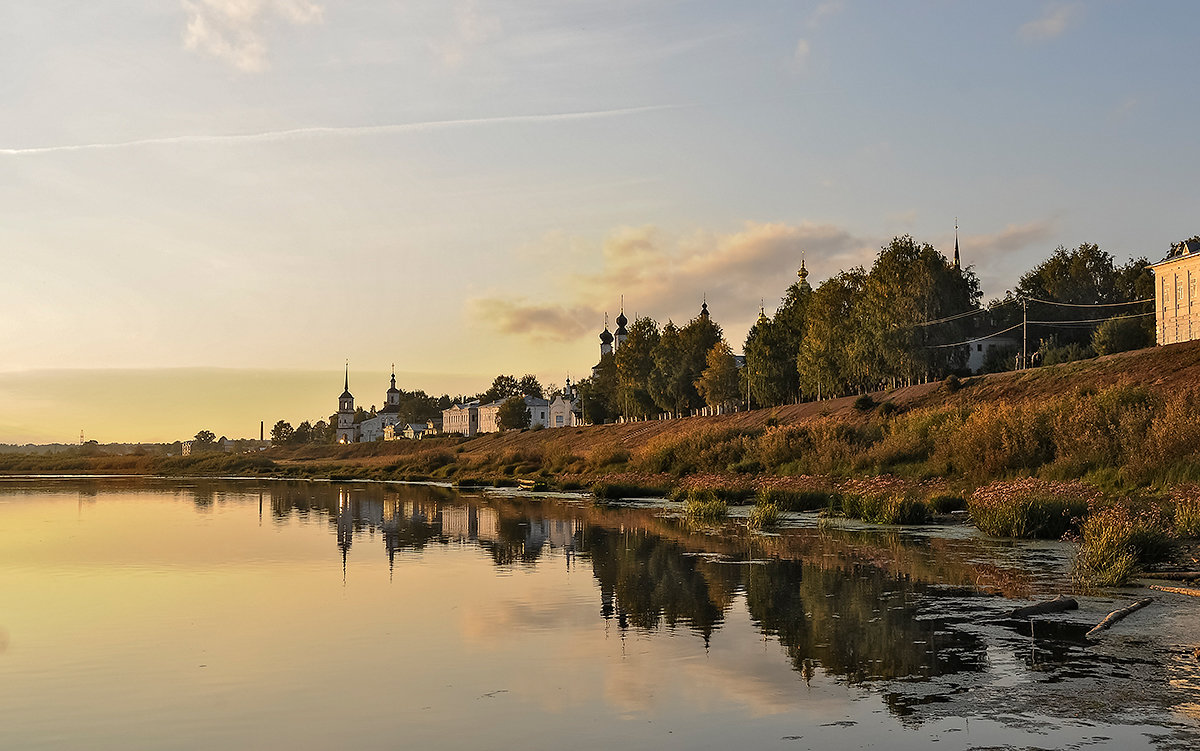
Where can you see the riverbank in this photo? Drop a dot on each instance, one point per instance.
(1029, 454)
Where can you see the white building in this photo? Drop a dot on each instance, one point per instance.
(537, 408)
(347, 431)
(978, 352)
(565, 410)
(462, 419)
(1176, 308)
(376, 428)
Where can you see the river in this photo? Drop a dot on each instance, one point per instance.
(143, 613)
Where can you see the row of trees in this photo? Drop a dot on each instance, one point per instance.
(899, 322)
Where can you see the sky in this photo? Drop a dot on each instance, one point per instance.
(208, 207)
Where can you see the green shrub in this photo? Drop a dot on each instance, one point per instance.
(864, 403)
(1116, 543)
(615, 491)
(885, 508)
(763, 516)
(705, 506)
(1029, 508)
(1187, 518)
(944, 503)
(952, 383)
(797, 500)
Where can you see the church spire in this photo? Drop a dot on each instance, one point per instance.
(803, 274)
(956, 243)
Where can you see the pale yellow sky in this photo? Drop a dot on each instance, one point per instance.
(468, 187)
(163, 405)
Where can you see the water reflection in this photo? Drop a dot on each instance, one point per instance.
(854, 621)
(899, 616)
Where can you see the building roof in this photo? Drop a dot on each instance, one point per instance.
(1181, 250)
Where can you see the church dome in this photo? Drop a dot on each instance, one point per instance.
(605, 336)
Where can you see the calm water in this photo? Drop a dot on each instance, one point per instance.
(150, 614)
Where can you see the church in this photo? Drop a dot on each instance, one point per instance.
(373, 428)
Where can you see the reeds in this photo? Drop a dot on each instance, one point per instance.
(1117, 542)
(705, 506)
(1029, 508)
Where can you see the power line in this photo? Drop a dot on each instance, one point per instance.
(1087, 305)
(976, 339)
(956, 316)
(1093, 320)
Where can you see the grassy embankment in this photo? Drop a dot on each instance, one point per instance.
(1108, 449)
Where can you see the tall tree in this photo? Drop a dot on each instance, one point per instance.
(718, 383)
(635, 361)
(530, 386)
(513, 414)
(829, 362)
(1086, 275)
(668, 385)
(909, 285)
(281, 433)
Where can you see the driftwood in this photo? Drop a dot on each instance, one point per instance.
(1057, 605)
(1177, 590)
(1117, 615)
(1172, 575)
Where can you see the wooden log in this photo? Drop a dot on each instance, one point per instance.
(1172, 575)
(1057, 605)
(1177, 590)
(1117, 615)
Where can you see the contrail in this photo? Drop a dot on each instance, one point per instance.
(352, 130)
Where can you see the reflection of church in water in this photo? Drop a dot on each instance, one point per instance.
(411, 524)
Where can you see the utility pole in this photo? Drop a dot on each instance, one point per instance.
(1024, 332)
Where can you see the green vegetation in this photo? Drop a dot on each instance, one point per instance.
(798, 500)
(705, 506)
(885, 508)
(615, 491)
(1030, 508)
(763, 516)
(1117, 543)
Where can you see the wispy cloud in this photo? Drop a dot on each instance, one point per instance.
(233, 30)
(1012, 239)
(349, 130)
(1055, 20)
(665, 277)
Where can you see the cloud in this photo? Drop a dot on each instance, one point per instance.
(1012, 239)
(350, 130)
(1052, 23)
(666, 276)
(825, 10)
(537, 321)
(801, 54)
(233, 30)
(472, 30)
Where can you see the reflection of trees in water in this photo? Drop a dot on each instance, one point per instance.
(645, 581)
(856, 622)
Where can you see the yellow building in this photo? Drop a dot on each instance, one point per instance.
(1176, 308)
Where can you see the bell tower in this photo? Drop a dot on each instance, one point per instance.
(347, 432)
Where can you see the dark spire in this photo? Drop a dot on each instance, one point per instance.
(605, 336)
(393, 389)
(704, 306)
(956, 243)
(803, 274)
(621, 319)
(346, 394)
